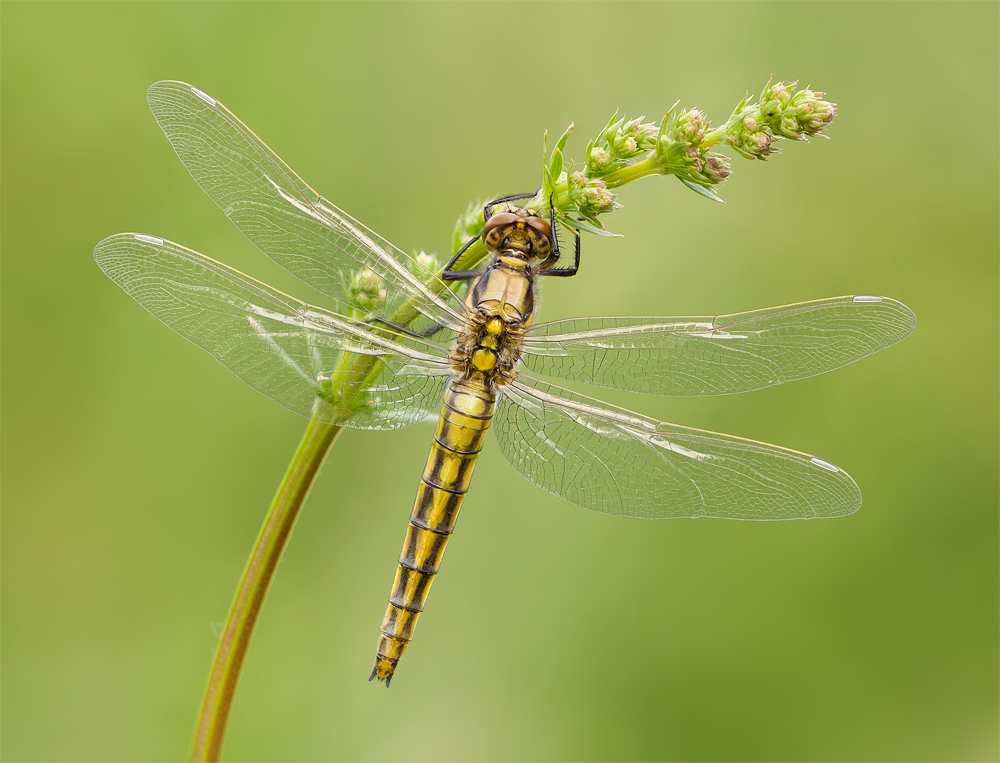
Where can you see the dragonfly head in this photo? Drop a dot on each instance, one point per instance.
(518, 231)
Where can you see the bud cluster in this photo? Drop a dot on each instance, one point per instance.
(368, 289)
(795, 115)
(619, 142)
(427, 267)
(779, 113)
(748, 133)
(424, 266)
(682, 150)
(590, 196)
(368, 294)
(681, 145)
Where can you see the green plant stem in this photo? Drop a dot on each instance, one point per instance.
(715, 136)
(246, 606)
(644, 168)
(343, 397)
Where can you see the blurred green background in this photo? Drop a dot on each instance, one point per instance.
(136, 470)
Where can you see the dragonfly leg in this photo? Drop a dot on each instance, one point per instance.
(488, 209)
(427, 332)
(552, 227)
(565, 272)
(460, 275)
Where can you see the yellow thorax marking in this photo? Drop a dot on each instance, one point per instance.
(513, 262)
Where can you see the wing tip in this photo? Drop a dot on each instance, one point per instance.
(852, 498)
(161, 87)
(163, 84)
(102, 250)
(906, 318)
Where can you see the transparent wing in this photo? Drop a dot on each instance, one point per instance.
(285, 218)
(720, 355)
(290, 351)
(611, 460)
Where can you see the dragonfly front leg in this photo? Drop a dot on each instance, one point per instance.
(488, 209)
(565, 272)
(460, 275)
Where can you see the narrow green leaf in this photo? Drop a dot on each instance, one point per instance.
(708, 193)
(591, 226)
(556, 165)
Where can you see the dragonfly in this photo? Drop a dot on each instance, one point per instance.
(479, 363)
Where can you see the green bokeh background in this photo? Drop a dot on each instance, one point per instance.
(136, 470)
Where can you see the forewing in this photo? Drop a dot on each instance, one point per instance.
(294, 353)
(285, 218)
(614, 461)
(721, 355)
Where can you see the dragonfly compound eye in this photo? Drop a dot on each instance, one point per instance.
(540, 225)
(492, 234)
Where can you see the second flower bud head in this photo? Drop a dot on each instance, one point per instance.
(681, 145)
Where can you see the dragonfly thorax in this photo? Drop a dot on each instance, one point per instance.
(501, 306)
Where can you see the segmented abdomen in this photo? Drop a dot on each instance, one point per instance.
(465, 417)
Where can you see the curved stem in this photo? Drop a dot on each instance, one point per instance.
(353, 370)
(648, 166)
(274, 535)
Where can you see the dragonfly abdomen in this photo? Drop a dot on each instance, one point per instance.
(483, 359)
(465, 417)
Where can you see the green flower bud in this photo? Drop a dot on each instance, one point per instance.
(691, 126)
(429, 262)
(760, 143)
(812, 113)
(795, 115)
(776, 96)
(426, 267)
(627, 140)
(681, 159)
(590, 196)
(693, 158)
(599, 160)
(750, 136)
(715, 167)
(644, 134)
(367, 292)
(625, 145)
